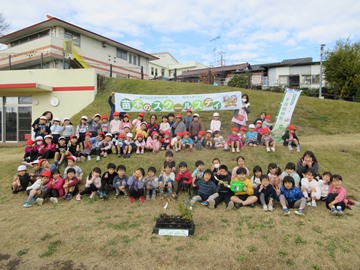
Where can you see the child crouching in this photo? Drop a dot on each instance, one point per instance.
(291, 197)
(206, 189)
(36, 189)
(151, 183)
(136, 185)
(92, 184)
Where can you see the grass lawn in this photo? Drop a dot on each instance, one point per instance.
(113, 234)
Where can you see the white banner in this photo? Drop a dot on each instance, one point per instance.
(177, 103)
(287, 107)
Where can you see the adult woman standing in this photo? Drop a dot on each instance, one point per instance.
(240, 116)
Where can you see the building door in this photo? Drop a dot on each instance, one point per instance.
(17, 116)
(294, 81)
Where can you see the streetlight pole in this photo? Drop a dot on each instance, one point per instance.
(321, 58)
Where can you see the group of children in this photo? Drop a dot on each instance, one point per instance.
(99, 137)
(210, 186)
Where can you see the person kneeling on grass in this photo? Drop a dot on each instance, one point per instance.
(291, 197)
(92, 184)
(206, 189)
(54, 189)
(243, 190)
(36, 189)
(136, 185)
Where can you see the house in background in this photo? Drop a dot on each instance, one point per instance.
(55, 65)
(166, 67)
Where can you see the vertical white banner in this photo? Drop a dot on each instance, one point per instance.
(283, 118)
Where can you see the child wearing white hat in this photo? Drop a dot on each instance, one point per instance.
(21, 180)
(215, 123)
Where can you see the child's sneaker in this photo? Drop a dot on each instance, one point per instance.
(78, 197)
(238, 150)
(153, 196)
(211, 204)
(298, 148)
(39, 201)
(205, 203)
(190, 208)
(339, 210)
(131, 199)
(98, 158)
(272, 149)
(286, 212)
(92, 195)
(69, 196)
(267, 149)
(230, 205)
(88, 157)
(138, 151)
(300, 212)
(147, 197)
(265, 208)
(334, 211)
(233, 150)
(142, 151)
(290, 147)
(54, 200)
(105, 154)
(271, 208)
(142, 199)
(27, 204)
(308, 203)
(313, 203)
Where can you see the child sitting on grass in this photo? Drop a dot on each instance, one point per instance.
(71, 161)
(187, 142)
(206, 189)
(136, 185)
(266, 193)
(233, 141)
(197, 175)
(219, 141)
(54, 189)
(151, 183)
(166, 181)
(324, 184)
(21, 180)
(92, 184)
(255, 179)
(36, 189)
(120, 181)
(252, 136)
(70, 184)
(291, 197)
(290, 139)
(245, 195)
(267, 140)
(336, 200)
(183, 178)
(107, 181)
(290, 170)
(310, 188)
(176, 142)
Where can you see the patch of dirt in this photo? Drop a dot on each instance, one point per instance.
(63, 265)
(4, 257)
(13, 264)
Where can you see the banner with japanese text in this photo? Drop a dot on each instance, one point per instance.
(177, 103)
(287, 107)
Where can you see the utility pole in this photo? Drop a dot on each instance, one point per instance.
(221, 58)
(321, 58)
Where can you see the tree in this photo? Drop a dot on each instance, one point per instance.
(242, 80)
(342, 68)
(4, 26)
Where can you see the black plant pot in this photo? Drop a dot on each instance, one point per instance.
(174, 226)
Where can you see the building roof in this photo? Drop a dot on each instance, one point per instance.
(237, 67)
(53, 21)
(291, 62)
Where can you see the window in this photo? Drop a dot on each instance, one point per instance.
(130, 59)
(152, 71)
(283, 80)
(30, 38)
(306, 79)
(75, 37)
(138, 60)
(315, 79)
(134, 56)
(156, 72)
(163, 72)
(121, 54)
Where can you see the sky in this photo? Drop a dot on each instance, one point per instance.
(206, 31)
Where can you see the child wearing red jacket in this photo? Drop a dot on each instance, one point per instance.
(183, 178)
(54, 189)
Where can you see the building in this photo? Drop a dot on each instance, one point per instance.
(54, 65)
(166, 67)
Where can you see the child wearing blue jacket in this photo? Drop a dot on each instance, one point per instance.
(266, 193)
(206, 189)
(291, 197)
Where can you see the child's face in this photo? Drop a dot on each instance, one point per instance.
(104, 120)
(74, 140)
(188, 113)
(70, 175)
(56, 176)
(56, 122)
(155, 137)
(289, 171)
(83, 121)
(167, 169)
(217, 135)
(126, 119)
(95, 174)
(164, 120)
(44, 179)
(196, 119)
(169, 158)
(66, 122)
(326, 178)
(201, 167)
(309, 176)
(47, 140)
(186, 136)
(140, 139)
(223, 172)
(258, 125)
(265, 182)
(242, 132)
(143, 127)
(178, 137)
(273, 170)
(151, 174)
(251, 129)
(62, 142)
(42, 121)
(291, 131)
(207, 177)
(116, 117)
(166, 136)
(178, 119)
(97, 119)
(70, 162)
(336, 183)
(171, 118)
(257, 174)
(234, 132)
(183, 169)
(138, 174)
(87, 138)
(129, 139)
(288, 185)
(241, 176)
(44, 164)
(241, 162)
(126, 130)
(111, 170)
(22, 173)
(120, 173)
